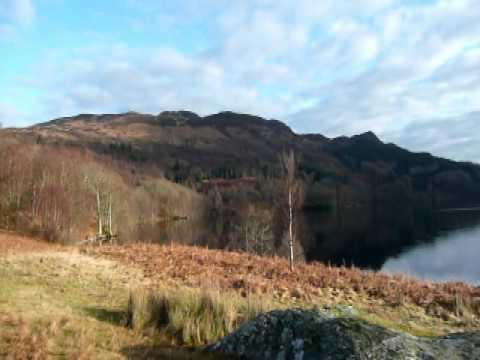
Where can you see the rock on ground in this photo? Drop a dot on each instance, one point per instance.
(311, 334)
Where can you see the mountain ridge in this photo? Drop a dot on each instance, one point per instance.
(232, 118)
(379, 195)
(189, 146)
(220, 119)
(226, 132)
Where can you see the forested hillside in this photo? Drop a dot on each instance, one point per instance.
(222, 174)
(57, 193)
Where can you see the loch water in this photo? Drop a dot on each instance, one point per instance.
(443, 245)
(451, 255)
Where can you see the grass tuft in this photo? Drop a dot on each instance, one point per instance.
(190, 316)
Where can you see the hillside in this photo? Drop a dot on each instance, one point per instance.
(187, 146)
(150, 301)
(64, 194)
(365, 199)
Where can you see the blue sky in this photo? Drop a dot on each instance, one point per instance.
(408, 70)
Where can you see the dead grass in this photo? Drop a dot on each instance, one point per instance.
(70, 305)
(193, 317)
(421, 305)
(20, 341)
(14, 244)
(51, 306)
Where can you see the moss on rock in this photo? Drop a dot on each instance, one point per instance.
(313, 334)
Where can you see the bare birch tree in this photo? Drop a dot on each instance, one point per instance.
(102, 188)
(293, 191)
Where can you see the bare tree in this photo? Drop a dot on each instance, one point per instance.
(294, 193)
(102, 187)
(104, 208)
(254, 229)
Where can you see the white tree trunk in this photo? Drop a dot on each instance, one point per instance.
(99, 214)
(110, 230)
(290, 220)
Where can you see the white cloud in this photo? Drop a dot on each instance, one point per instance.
(454, 137)
(331, 67)
(24, 12)
(424, 64)
(165, 79)
(15, 16)
(18, 12)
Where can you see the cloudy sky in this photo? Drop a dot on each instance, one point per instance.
(407, 69)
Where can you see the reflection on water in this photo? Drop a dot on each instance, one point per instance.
(452, 257)
(362, 239)
(440, 245)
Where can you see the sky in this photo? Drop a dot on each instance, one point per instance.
(409, 70)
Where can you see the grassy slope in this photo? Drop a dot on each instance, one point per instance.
(65, 304)
(57, 303)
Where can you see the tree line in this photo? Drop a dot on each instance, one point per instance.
(66, 194)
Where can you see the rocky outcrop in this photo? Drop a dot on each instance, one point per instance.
(311, 334)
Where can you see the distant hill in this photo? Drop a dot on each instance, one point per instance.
(362, 180)
(228, 144)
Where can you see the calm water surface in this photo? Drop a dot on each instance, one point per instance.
(452, 255)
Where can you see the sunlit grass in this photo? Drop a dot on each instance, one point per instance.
(193, 316)
(46, 304)
(69, 305)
